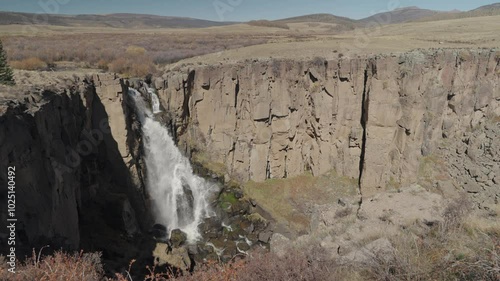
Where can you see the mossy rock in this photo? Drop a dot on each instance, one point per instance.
(215, 169)
(243, 246)
(231, 201)
(178, 238)
(247, 226)
(212, 257)
(228, 197)
(258, 221)
(225, 206)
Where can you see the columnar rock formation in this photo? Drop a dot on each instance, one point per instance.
(72, 185)
(371, 118)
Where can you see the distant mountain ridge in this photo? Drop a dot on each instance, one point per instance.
(137, 21)
(122, 20)
(488, 7)
(487, 10)
(401, 15)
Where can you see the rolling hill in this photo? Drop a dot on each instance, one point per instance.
(483, 11)
(143, 21)
(488, 7)
(134, 21)
(324, 18)
(401, 15)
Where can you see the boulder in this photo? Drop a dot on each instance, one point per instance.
(177, 238)
(279, 244)
(176, 257)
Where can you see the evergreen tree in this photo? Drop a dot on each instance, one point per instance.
(6, 74)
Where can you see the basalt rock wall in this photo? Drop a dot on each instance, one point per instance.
(370, 118)
(73, 186)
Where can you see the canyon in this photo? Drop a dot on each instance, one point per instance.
(383, 122)
(372, 119)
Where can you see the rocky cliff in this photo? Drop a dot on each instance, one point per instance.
(79, 156)
(376, 119)
(73, 188)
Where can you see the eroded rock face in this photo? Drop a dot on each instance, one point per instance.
(272, 119)
(372, 118)
(37, 138)
(73, 188)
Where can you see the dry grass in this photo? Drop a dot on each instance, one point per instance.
(453, 250)
(128, 53)
(266, 23)
(287, 200)
(59, 266)
(31, 63)
(135, 63)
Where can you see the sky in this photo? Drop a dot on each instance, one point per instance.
(233, 10)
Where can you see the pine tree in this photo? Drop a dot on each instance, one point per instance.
(6, 74)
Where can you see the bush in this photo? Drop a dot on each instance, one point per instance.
(298, 264)
(60, 266)
(32, 63)
(134, 63)
(97, 48)
(132, 66)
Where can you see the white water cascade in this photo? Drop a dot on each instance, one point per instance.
(180, 198)
(155, 101)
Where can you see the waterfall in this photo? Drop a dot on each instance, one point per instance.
(155, 101)
(180, 198)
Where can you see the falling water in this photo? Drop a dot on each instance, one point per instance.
(180, 198)
(155, 101)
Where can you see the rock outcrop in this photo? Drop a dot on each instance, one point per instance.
(368, 118)
(73, 188)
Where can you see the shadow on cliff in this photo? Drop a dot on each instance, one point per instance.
(115, 218)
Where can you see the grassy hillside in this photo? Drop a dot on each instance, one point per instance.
(488, 10)
(111, 20)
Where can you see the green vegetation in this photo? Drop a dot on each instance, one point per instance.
(286, 199)
(227, 200)
(6, 74)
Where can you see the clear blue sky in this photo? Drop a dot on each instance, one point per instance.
(233, 10)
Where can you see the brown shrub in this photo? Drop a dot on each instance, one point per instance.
(96, 47)
(132, 66)
(32, 63)
(60, 266)
(452, 250)
(103, 64)
(266, 23)
(298, 264)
